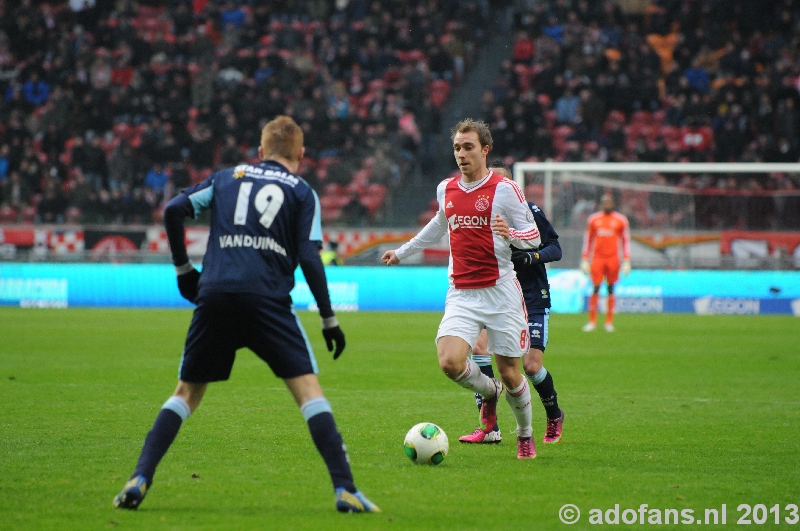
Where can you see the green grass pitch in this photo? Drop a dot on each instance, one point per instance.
(675, 411)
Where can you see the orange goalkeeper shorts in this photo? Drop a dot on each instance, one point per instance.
(605, 267)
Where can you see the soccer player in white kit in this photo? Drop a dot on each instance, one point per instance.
(483, 214)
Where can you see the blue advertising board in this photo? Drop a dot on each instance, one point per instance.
(405, 288)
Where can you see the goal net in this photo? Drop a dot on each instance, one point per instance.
(682, 215)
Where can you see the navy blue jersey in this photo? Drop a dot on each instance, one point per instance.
(533, 278)
(264, 220)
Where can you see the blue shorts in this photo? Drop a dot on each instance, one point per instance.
(225, 322)
(537, 327)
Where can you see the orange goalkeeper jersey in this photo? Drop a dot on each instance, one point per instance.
(603, 233)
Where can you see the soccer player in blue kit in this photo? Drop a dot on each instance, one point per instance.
(264, 221)
(532, 276)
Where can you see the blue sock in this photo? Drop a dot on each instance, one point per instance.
(174, 411)
(543, 383)
(328, 440)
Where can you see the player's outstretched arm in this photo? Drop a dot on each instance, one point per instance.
(390, 258)
(430, 234)
(177, 210)
(314, 271)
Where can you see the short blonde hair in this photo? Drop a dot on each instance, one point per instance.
(282, 138)
(468, 124)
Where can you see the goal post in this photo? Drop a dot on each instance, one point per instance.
(686, 205)
(584, 171)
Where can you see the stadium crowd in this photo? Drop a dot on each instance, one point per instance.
(683, 81)
(108, 107)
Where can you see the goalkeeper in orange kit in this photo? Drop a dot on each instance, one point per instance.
(604, 231)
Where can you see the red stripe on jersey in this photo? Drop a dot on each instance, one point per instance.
(527, 235)
(517, 189)
(469, 215)
(522, 298)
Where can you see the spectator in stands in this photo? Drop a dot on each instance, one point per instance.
(52, 205)
(787, 207)
(354, 213)
(567, 107)
(156, 179)
(5, 161)
(91, 158)
(523, 49)
(591, 114)
(137, 209)
(146, 75)
(80, 190)
(35, 90)
(614, 138)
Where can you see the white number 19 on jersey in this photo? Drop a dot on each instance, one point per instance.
(268, 202)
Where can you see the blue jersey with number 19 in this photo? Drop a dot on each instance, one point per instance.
(260, 216)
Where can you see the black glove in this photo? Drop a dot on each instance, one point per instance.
(524, 258)
(187, 284)
(334, 336)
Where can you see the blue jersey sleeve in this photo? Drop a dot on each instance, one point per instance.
(533, 277)
(177, 210)
(550, 250)
(192, 202)
(310, 239)
(200, 195)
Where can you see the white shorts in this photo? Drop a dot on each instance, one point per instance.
(500, 309)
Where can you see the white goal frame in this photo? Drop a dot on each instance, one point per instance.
(551, 170)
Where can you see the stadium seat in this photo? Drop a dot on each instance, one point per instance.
(425, 217)
(331, 215)
(534, 193)
(28, 214)
(333, 189)
(8, 214)
(439, 90)
(72, 215)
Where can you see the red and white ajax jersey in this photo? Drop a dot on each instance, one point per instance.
(478, 257)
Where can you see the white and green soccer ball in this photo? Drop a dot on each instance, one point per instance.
(426, 444)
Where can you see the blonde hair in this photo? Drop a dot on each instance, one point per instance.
(282, 138)
(468, 124)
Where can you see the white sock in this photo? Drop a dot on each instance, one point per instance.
(519, 399)
(473, 378)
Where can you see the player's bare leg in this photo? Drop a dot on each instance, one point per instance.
(542, 381)
(452, 352)
(318, 414)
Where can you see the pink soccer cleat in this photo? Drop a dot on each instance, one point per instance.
(525, 448)
(489, 408)
(552, 433)
(479, 436)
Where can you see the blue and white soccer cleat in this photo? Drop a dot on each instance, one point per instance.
(354, 502)
(132, 493)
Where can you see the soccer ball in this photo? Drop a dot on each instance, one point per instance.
(426, 444)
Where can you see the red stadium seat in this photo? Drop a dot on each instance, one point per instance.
(333, 189)
(439, 92)
(331, 215)
(8, 214)
(425, 217)
(28, 214)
